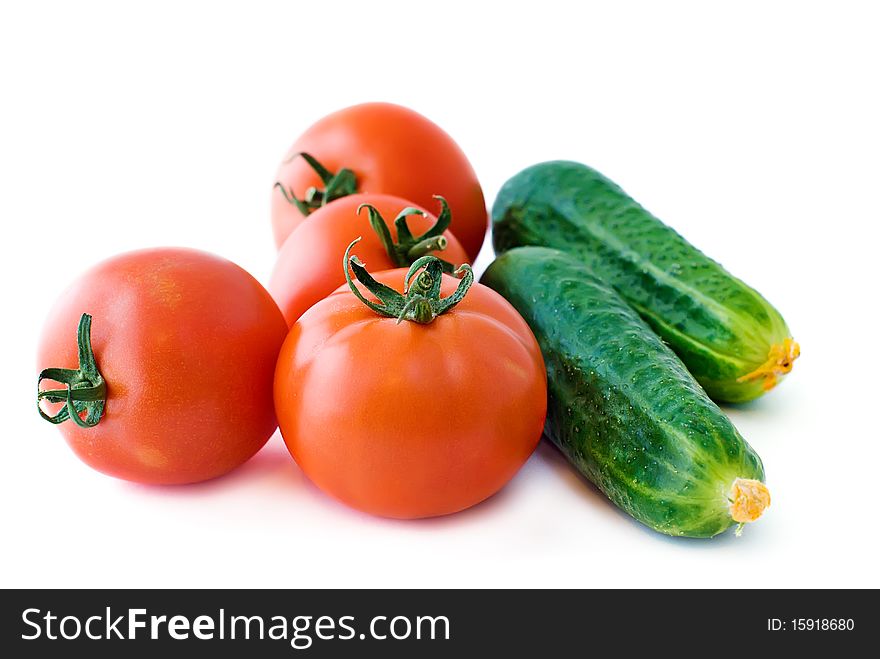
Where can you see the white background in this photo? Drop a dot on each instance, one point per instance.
(752, 130)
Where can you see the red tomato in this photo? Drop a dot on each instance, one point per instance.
(309, 265)
(391, 150)
(411, 420)
(186, 343)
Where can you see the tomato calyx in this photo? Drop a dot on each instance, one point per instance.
(86, 390)
(340, 184)
(409, 248)
(421, 302)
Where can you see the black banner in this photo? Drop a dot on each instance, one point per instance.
(407, 623)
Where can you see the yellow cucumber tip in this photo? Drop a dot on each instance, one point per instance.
(748, 500)
(780, 360)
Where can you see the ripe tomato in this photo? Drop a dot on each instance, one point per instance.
(408, 419)
(388, 149)
(186, 343)
(309, 265)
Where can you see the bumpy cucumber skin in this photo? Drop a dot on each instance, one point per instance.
(621, 406)
(721, 328)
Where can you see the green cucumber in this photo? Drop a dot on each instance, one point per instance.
(732, 340)
(623, 408)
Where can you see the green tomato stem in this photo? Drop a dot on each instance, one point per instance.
(421, 302)
(340, 184)
(409, 248)
(86, 389)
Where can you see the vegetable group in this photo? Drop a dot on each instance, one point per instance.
(414, 391)
(733, 341)
(411, 406)
(185, 344)
(378, 148)
(623, 408)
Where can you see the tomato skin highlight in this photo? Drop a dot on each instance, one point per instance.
(408, 420)
(187, 343)
(392, 150)
(309, 265)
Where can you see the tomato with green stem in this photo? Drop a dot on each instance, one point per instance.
(169, 377)
(378, 148)
(307, 268)
(410, 405)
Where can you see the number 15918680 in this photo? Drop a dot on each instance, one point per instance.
(810, 624)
